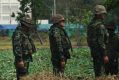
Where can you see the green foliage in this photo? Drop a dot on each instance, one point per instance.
(29, 6)
(13, 14)
(79, 65)
(35, 8)
(111, 4)
(24, 5)
(83, 18)
(86, 17)
(24, 8)
(113, 10)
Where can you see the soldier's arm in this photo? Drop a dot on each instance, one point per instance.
(58, 43)
(101, 37)
(17, 46)
(118, 43)
(32, 44)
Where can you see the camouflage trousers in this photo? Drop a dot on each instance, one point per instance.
(57, 69)
(21, 72)
(112, 67)
(98, 62)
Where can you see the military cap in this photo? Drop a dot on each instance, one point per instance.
(57, 18)
(110, 22)
(27, 21)
(111, 26)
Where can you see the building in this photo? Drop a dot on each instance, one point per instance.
(7, 7)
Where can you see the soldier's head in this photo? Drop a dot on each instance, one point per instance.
(26, 23)
(111, 27)
(100, 11)
(58, 19)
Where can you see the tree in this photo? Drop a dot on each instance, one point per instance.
(111, 4)
(40, 9)
(24, 8)
(113, 9)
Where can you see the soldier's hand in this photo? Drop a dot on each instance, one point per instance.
(30, 52)
(106, 59)
(62, 64)
(20, 64)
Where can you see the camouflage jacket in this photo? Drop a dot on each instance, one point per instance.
(113, 45)
(97, 35)
(23, 45)
(59, 42)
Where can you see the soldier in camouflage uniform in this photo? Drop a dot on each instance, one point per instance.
(97, 39)
(23, 47)
(113, 49)
(59, 44)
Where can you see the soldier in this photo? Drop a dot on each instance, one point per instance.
(97, 39)
(113, 49)
(23, 47)
(59, 44)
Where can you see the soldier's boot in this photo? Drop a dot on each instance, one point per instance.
(107, 69)
(21, 72)
(58, 72)
(27, 67)
(97, 68)
(62, 72)
(114, 67)
(62, 67)
(20, 77)
(55, 71)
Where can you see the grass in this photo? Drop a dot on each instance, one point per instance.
(79, 66)
(6, 42)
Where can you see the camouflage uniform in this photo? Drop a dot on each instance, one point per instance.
(97, 39)
(59, 45)
(23, 47)
(113, 50)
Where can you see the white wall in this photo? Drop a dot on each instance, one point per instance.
(43, 21)
(6, 9)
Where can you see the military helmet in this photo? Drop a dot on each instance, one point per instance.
(110, 22)
(100, 9)
(111, 25)
(57, 18)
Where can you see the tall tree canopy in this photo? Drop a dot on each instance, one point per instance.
(73, 10)
(111, 4)
(36, 7)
